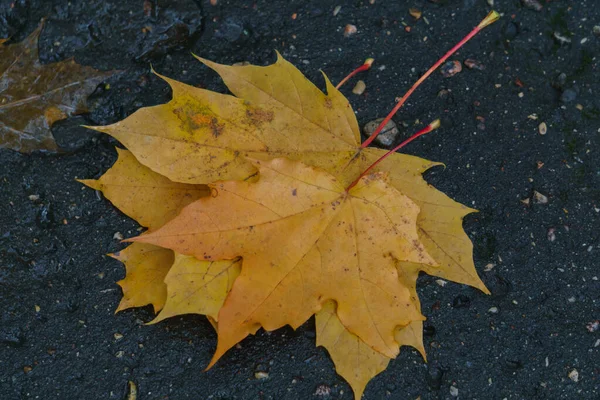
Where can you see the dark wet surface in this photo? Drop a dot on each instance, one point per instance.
(57, 289)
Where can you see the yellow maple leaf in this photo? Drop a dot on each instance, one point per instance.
(201, 137)
(33, 96)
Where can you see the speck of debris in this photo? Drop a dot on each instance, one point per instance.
(474, 64)
(453, 391)
(539, 198)
(551, 234)
(261, 375)
(533, 4)
(574, 375)
(323, 390)
(359, 88)
(593, 326)
(450, 68)
(350, 30)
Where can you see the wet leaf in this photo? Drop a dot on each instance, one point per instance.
(33, 96)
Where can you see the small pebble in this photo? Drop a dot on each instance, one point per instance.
(574, 375)
(533, 5)
(415, 12)
(441, 282)
(453, 391)
(387, 136)
(539, 198)
(118, 236)
(323, 390)
(543, 128)
(596, 30)
(493, 310)
(350, 30)
(551, 234)
(561, 38)
(34, 197)
(359, 88)
(261, 375)
(474, 64)
(451, 68)
(118, 336)
(336, 10)
(593, 326)
(489, 267)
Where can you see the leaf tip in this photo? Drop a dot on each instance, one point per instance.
(91, 183)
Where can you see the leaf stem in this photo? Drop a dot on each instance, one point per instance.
(492, 17)
(366, 65)
(431, 127)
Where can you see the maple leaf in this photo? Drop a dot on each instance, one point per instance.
(345, 248)
(34, 96)
(201, 137)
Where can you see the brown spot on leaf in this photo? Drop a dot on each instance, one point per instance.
(257, 116)
(294, 192)
(216, 127)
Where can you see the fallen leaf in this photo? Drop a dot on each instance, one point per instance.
(34, 96)
(356, 239)
(288, 217)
